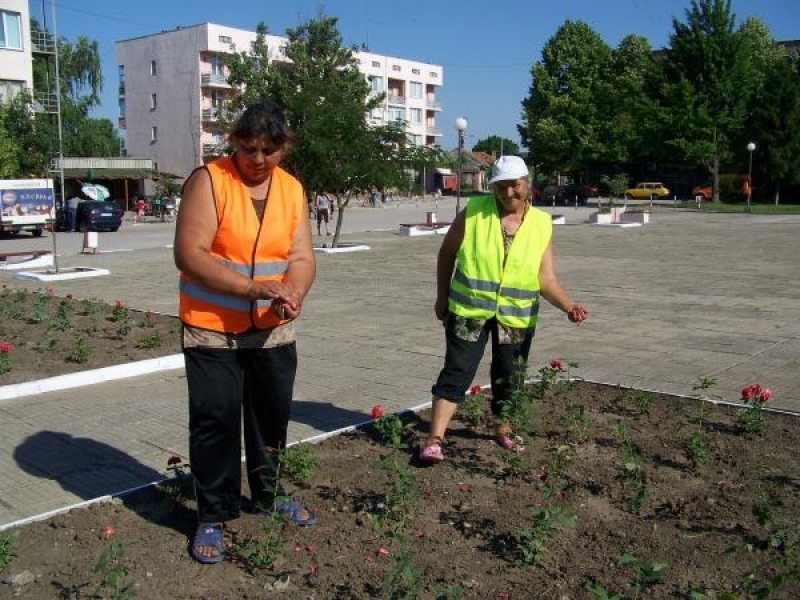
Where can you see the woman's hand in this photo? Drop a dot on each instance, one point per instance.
(577, 314)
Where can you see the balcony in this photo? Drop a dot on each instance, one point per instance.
(433, 130)
(214, 80)
(121, 124)
(42, 42)
(47, 103)
(433, 105)
(210, 114)
(400, 100)
(121, 88)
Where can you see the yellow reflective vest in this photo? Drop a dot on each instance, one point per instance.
(256, 249)
(487, 283)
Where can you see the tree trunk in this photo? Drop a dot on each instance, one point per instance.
(715, 168)
(341, 204)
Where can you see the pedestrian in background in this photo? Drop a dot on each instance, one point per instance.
(243, 247)
(494, 264)
(322, 207)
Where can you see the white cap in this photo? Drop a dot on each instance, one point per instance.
(508, 168)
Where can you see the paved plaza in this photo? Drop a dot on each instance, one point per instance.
(684, 297)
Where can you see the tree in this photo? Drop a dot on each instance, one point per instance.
(498, 145)
(709, 80)
(81, 82)
(775, 120)
(327, 101)
(23, 148)
(561, 118)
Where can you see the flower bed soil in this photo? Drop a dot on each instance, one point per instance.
(728, 525)
(44, 330)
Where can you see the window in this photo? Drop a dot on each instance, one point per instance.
(121, 73)
(415, 71)
(154, 134)
(122, 107)
(225, 39)
(376, 84)
(416, 116)
(415, 88)
(397, 68)
(217, 98)
(416, 140)
(433, 75)
(376, 64)
(153, 70)
(153, 102)
(397, 114)
(217, 66)
(10, 30)
(9, 89)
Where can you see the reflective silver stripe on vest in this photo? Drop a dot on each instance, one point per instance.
(260, 269)
(480, 285)
(239, 268)
(516, 311)
(263, 269)
(519, 294)
(468, 302)
(228, 301)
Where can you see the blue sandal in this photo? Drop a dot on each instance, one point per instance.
(293, 510)
(209, 535)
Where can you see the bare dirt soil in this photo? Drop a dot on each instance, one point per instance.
(618, 492)
(50, 335)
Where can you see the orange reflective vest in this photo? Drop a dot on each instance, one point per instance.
(256, 249)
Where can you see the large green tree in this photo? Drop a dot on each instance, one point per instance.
(775, 125)
(327, 100)
(562, 118)
(710, 77)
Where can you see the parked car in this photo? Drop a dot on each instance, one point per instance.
(97, 216)
(648, 191)
(732, 188)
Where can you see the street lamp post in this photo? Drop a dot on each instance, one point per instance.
(461, 127)
(750, 148)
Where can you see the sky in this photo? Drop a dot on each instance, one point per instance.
(486, 48)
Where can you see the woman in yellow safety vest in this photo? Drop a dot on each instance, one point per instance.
(494, 264)
(243, 247)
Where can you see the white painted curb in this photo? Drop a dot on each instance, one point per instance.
(71, 380)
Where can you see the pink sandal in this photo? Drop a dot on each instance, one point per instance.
(432, 453)
(509, 441)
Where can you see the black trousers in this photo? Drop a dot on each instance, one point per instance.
(226, 388)
(462, 358)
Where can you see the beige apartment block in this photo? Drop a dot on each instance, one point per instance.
(172, 84)
(16, 65)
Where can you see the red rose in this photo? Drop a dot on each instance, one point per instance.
(556, 364)
(475, 389)
(377, 411)
(174, 460)
(765, 395)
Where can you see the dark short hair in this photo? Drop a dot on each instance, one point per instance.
(262, 119)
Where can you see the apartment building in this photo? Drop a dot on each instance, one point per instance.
(16, 64)
(172, 83)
